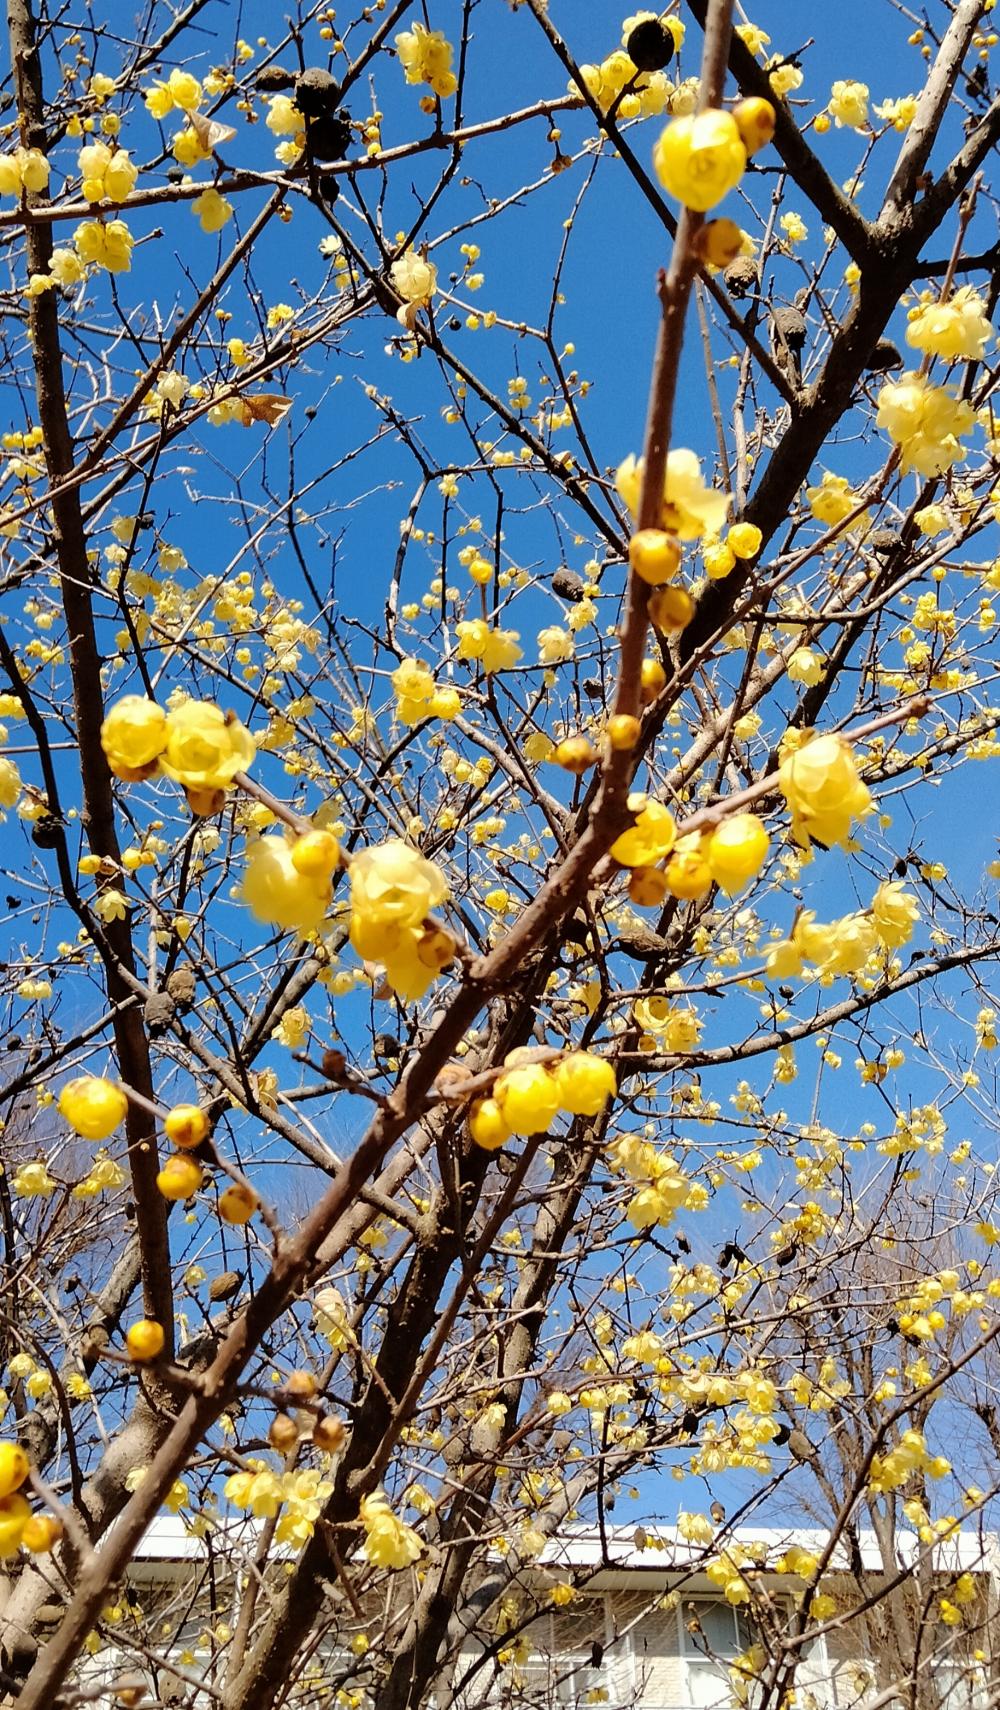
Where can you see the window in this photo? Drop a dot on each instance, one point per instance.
(714, 1634)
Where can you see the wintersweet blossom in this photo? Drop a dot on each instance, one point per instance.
(736, 851)
(93, 1106)
(24, 169)
(820, 784)
(10, 783)
(957, 328)
(181, 89)
(700, 158)
(496, 649)
(104, 243)
(205, 746)
(425, 56)
(926, 423)
(213, 210)
(133, 736)
(649, 839)
(849, 103)
(278, 893)
(414, 278)
(107, 175)
(689, 510)
(389, 1542)
(894, 914)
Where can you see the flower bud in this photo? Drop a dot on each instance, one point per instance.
(654, 555)
(283, 1433)
(652, 681)
(623, 732)
(329, 1433)
(755, 121)
(719, 242)
(179, 1178)
(647, 886)
(670, 610)
(574, 754)
(238, 1204)
(186, 1125)
(145, 1340)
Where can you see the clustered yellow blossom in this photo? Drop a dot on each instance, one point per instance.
(389, 1542)
(496, 649)
(649, 92)
(689, 510)
(664, 1186)
(844, 946)
(195, 743)
(909, 1456)
(414, 278)
(926, 422)
(108, 175)
(729, 855)
(528, 1096)
(393, 891)
(24, 169)
(956, 328)
(418, 696)
(425, 56)
(849, 103)
(18, 1526)
(834, 500)
(820, 784)
(104, 243)
(181, 90)
(289, 882)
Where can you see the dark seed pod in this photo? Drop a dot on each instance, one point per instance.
(316, 92)
(741, 276)
(272, 79)
(328, 137)
(883, 541)
(884, 356)
(789, 327)
(225, 1285)
(650, 45)
(46, 833)
(568, 585)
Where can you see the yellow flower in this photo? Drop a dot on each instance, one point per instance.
(925, 421)
(584, 1083)
(849, 103)
(179, 1178)
(744, 539)
(278, 893)
(392, 888)
(33, 1181)
(654, 556)
(528, 1097)
(700, 159)
(649, 839)
(14, 1468)
(833, 500)
(414, 278)
(205, 747)
(145, 1340)
(496, 649)
(957, 328)
(389, 1542)
(25, 169)
(690, 509)
(819, 781)
(736, 851)
(213, 210)
(104, 243)
(900, 113)
(425, 56)
(133, 736)
(107, 174)
(487, 1124)
(805, 666)
(14, 1517)
(894, 914)
(10, 783)
(92, 1106)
